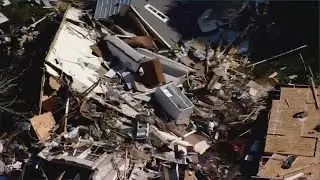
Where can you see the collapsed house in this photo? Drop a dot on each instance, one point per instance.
(292, 136)
(139, 91)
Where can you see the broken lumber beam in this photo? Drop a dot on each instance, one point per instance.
(314, 92)
(279, 55)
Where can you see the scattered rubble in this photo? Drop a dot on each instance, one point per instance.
(140, 92)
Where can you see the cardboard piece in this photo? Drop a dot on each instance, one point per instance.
(42, 125)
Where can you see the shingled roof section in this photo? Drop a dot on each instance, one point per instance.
(288, 136)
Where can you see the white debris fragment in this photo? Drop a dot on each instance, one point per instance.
(168, 138)
(5, 2)
(293, 77)
(127, 110)
(199, 54)
(257, 90)
(216, 136)
(17, 165)
(46, 4)
(7, 39)
(111, 73)
(201, 147)
(142, 97)
(3, 18)
(74, 14)
(1, 145)
(296, 176)
(273, 75)
(212, 125)
(248, 157)
(129, 100)
(210, 54)
(253, 92)
(217, 86)
(173, 101)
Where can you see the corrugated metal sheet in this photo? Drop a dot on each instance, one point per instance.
(107, 8)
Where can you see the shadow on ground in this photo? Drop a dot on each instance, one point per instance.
(183, 15)
(290, 25)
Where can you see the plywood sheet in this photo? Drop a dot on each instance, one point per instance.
(287, 135)
(42, 125)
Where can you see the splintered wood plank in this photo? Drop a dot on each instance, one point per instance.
(311, 172)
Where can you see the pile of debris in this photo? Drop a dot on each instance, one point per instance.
(138, 107)
(164, 115)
